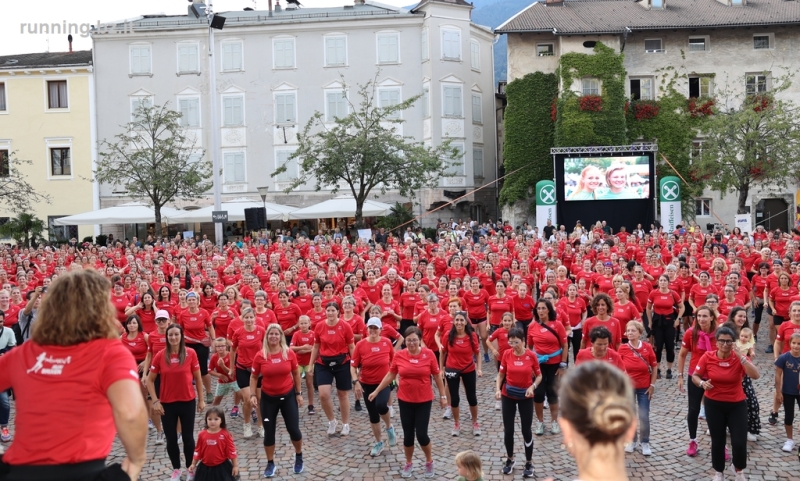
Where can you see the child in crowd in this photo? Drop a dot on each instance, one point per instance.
(215, 456)
(787, 382)
(226, 380)
(745, 342)
(302, 344)
(469, 466)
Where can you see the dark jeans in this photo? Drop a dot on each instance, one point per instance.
(721, 417)
(287, 405)
(510, 407)
(664, 331)
(380, 405)
(470, 388)
(183, 411)
(415, 418)
(643, 404)
(695, 396)
(5, 408)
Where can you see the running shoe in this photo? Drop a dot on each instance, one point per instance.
(189, 476)
(692, 450)
(429, 470)
(740, 476)
(498, 405)
(752, 437)
(539, 428)
(235, 412)
(358, 405)
(407, 470)
(702, 412)
(331, 427)
(719, 477)
(509, 466)
(377, 449)
(298, 463)
(5, 436)
(669, 373)
(248, 430)
(254, 416)
(311, 410)
(345, 430)
(448, 413)
(392, 436)
(630, 447)
(646, 449)
(209, 398)
(261, 431)
(476, 429)
(528, 471)
(159, 438)
(554, 427)
(486, 357)
(773, 418)
(270, 470)
(150, 424)
(788, 446)
(727, 454)
(456, 429)
(176, 475)
(391, 411)
(770, 349)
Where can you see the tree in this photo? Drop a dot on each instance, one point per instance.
(750, 140)
(154, 159)
(363, 151)
(15, 191)
(399, 215)
(24, 229)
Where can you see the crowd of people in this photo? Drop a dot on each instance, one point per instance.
(273, 324)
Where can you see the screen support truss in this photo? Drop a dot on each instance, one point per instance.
(607, 149)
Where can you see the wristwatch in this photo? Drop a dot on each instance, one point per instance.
(354, 382)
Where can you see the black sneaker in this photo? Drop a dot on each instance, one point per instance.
(773, 418)
(669, 373)
(658, 376)
(770, 349)
(528, 471)
(358, 405)
(311, 409)
(509, 466)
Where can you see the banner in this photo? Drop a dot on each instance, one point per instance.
(744, 222)
(669, 194)
(545, 204)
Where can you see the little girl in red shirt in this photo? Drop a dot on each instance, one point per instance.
(215, 456)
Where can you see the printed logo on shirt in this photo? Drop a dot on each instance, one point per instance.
(54, 366)
(332, 333)
(376, 349)
(519, 363)
(725, 364)
(414, 361)
(276, 360)
(211, 442)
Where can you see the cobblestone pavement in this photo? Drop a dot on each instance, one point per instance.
(347, 458)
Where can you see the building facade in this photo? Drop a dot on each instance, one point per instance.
(715, 46)
(274, 70)
(47, 133)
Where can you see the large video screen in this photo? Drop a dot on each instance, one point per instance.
(606, 178)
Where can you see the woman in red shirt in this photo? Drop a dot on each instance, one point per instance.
(417, 366)
(575, 307)
(245, 343)
(145, 309)
(600, 350)
(760, 282)
(458, 349)
(664, 310)
(780, 298)
(408, 300)
(640, 364)
(523, 307)
(371, 360)
(719, 374)
(389, 307)
(316, 314)
(624, 309)
(208, 298)
(223, 316)
(121, 302)
(603, 307)
(277, 363)
(287, 315)
(475, 300)
(177, 400)
(548, 339)
(195, 322)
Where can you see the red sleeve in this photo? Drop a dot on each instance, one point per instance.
(393, 369)
(476, 346)
(348, 335)
(257, 360)
(199, 446)
(155, 364)
(356, 359)
(191, 356)
(701, 366)
(117, 364)
(231, 453)
(434, 363)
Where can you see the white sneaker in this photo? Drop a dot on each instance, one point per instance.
(261, 431)
(498, 405)
(719, 477)
(345, 430)
(630, 447)
(248, 430)
(788, 446)
(740, 476)
(646, 449)
(752, 437)
(331, 427)
(391, 411)
(448, 413)
(189, 476)
(702, 412)
(176, 475)
(708, 432)
(159, 438)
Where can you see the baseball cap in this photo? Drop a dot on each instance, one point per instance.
(191, 294)
(162, 314)
(608, 264)
(374, 321)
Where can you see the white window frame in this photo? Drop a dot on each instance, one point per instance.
(47, 108)
(4, 97)
(184, 123)
(475, 55)
(661, 48)
(387, 35)
(426, 100)
(477, 119)
(4, 147)
(222, 107)
(196, 47)
(275, 101)
(543, 44)
(587, 86)
(380, 91)
(710, 87)
(450, 170)
(226, 155)
(425, 42)
(131, 48)
(334, 36)
(696, 151)
(58, 143)
(645, 78)
(704, 38)
(139, 98)
(282, 39)
(767, 82)
(287, 176)
(445, 30)
(230, 42)
(329, 117)
(477, 167)
(452, 115)
(704, 206)
(770, 36)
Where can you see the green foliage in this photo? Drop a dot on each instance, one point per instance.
(398, 215)
(529, 134)
(25, 229)
(152, 160)
(15, 191)
(430, 233)
(101, 240)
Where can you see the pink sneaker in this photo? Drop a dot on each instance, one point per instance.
(692, 451)
(727, 454)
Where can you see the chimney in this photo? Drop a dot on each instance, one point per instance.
(278, 6)
(554, 2)
(359, 2)
(270, 7)
(69, 39)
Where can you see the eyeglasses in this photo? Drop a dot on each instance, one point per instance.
(161, 320)
(724, 342)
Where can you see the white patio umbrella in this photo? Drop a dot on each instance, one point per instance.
(341, 207)
(235, 209)
(130, 213)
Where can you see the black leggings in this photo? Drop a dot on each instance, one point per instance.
(758, 311)
(185, 412)
(415, 417)
(380, 405)
(548, 385)
(695, 396)
(733, 416)
(470, 388)
(202, 357)
(789, 401)
(287, 405)
(577, 336)
(525, 407)
(664, 331)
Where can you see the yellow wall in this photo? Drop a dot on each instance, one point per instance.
(28, 125)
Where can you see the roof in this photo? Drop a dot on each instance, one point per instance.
(613, 16)
(78, 58)
(454, 2)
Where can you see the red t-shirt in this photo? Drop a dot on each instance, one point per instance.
(415, 375)
(64, 385)
(374, 359)
(176, 378)
(476, 304)
(459, 354)
(612, 324)
(214, 449)
(332, 340)
(521, 370)
(357, 325)
(498, 307)
(699, 293)
(194, 325)
(287, 316)
(407, 302)
(137, 346)
(429, 324)
(501, 335)
(785, 332)
(120, 304)
(222, 321)
(637, 367)
(247, 344)
(156, 343)
(301, 338)
(214, 366)
(523, 308)
(695, 351)
(277, 370)
(544, 342)
(585, 355)
(782, 300)
(11, 315)
(626, 313)
(316, 317)
(724, 374)
(664, 304)
(387, 318)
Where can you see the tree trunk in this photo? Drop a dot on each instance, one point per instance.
(744, 191)
(158, 230)
(359, 213)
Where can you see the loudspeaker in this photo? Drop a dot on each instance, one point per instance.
(217, 21)
(255, 218)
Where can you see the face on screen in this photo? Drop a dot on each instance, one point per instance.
(606, 178)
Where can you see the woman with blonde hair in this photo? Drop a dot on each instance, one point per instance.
(617, 181)
(591, 178)
(75, 337)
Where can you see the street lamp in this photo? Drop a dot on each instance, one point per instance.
(263, 191)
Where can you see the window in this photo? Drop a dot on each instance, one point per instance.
(477, 114)
(285, 108)
(140, 60)
(700, 87)
(335, 51)
(190, 111)
(477, 161)
(233, 111)
(590, 86)
(2, 97)
(188, 58)
(234, 167)
(698, 44)
(545, 50)
(642, 89)
(60, 162)
(5, 164)
(755, 84)
(702, 207)
(451, 44)
(657, 3)
(388, 48)
(389, 98)
(737, 2)
(426, 101)
(231, 56)
(139, 102)
(762, 42)
(57, 94)
(452, 101)
(336, 103)
(475, 54)
(424, 41)
(60, 233)
(281, 159)
(653, 45)
(455, 167)
(697, 151)
(283, 52)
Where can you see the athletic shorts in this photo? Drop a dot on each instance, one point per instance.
(226, 388)
(243, 378)
(778, 320)
(477, 321)
(325, 375)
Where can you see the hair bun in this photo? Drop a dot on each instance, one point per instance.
(612, 416)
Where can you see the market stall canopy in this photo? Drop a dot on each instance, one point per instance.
(341, 207)
(130, 213)
(235, 209)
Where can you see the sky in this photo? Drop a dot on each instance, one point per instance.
(18, 17)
